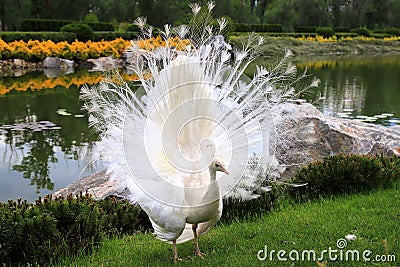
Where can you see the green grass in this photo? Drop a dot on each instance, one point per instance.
(317, 225)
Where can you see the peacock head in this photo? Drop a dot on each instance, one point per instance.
(218, 165)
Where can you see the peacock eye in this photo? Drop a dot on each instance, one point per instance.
(217, 165)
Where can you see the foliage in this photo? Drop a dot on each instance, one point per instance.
(242, 27)
(326, 32)
(80, 51)
(343, 174)
(54, 25)
(34, 233)
(110, 36)
(290, 13)
(361, 32)
(305, 29)
(239, 210)
(342, 29)
(91, 17)
(119, 217)
(132, 28)
(53, 227)
(390, 31)
(83, 31)
(101, 26)
(26, 36)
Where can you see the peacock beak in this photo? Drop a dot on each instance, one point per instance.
(225, 171)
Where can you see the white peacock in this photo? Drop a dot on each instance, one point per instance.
(201, 131)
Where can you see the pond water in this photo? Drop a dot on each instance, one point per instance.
(45, 138)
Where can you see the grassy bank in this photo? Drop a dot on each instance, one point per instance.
(373, 218)
(275, 46)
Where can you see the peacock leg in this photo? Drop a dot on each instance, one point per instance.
(196, 244)
(176, 258)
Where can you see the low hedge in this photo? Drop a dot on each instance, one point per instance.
(361, 32)
(343, 174)
(54, 227)
(242, 27)
(308, 29)
(53, 25)
(69, 37)
(56, 37)
(326, 32)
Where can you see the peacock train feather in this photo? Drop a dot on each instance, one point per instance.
(195, 111)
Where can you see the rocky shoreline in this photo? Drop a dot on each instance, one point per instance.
(53, 66)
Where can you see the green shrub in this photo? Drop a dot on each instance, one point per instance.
(391, 31)
(54, 25)
(326, 32)
(109, 36)
(43, 25)
(26, 36)
(361, 32)
(91, 17)
(132, 28)
(343, 174)
(237, 210)
(119, 217)
(242, 27)
(342, 29)
(305, 29)
(83, 31)
(52, 228)
(101, 26)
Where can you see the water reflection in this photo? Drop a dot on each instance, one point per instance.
(365, 88)
(38, 144)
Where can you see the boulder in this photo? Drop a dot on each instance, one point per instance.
(105, 63)
(98, 185)
(313, 136)
(304, 135)
(58, 63)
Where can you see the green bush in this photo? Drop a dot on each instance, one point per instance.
(119, 217)
(239, 210)
(132, 28)
(109, 36)
(361, 32)
(54, 25)
(26, 36)
(325, 31)
(83, 31)
(101, 26)
(390, 31)
(343, 174)
(342, 29)
(305, 29)
(242, 27)
(43, 25)
(52, 228)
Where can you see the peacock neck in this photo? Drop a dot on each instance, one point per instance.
(213, 175)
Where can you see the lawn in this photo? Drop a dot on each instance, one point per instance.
(296, 229)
